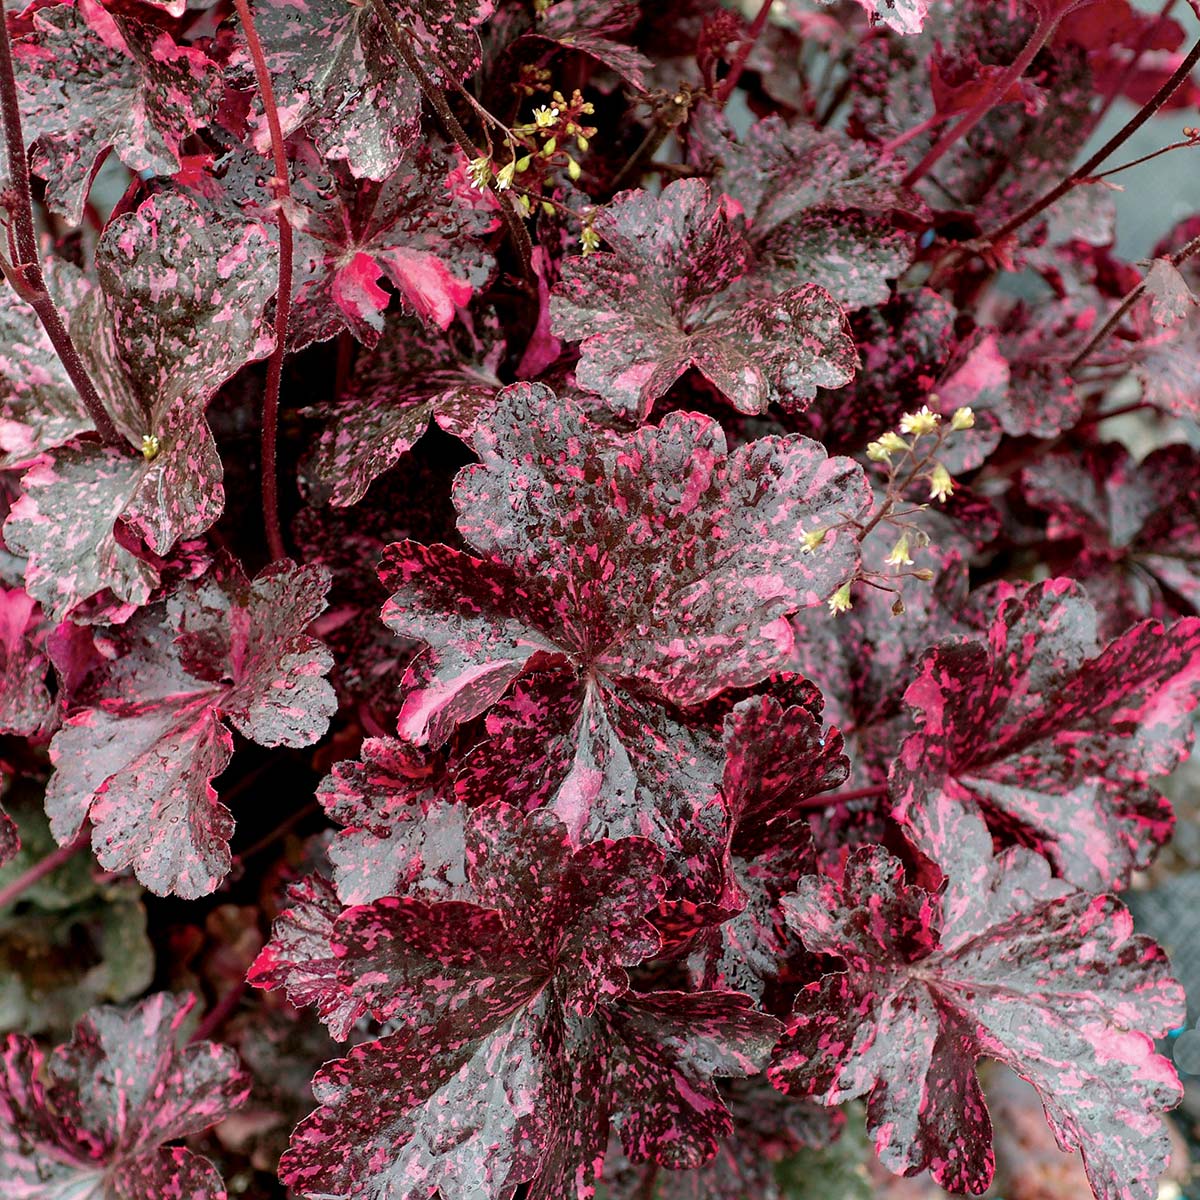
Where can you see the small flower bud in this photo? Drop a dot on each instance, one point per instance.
(963, 418)
(923, 573)
(548, 208)
(920, 422)
(840, 601)
(550, 147)
(940, 484)
(150, 447)
(523, 205)
(893, 442)
(581, 142)
(524, 163)
(897, 607)
(813, 538)
(589, 239)
(899, 557)
(573, 169)
(878, 452)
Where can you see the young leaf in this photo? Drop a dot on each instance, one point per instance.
(93, 1120)
(140, 762)
(1010, 964)
(1051, 736)
(666, 298)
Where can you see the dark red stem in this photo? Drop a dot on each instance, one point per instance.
(1135, 294)
(1088, 169)
(25, 274)
(726, 86)
(12, 891)
(283, 299)
(828, 801)
(1041, 34)
(220, 1012)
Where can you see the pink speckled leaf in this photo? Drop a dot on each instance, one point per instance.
(140, 761)
(776, 759)
(94, 82)
(412, 376)
(93, 1119)
(1008, 964)
(668, 296)
(1170, 297)
(518, 1029)
(179, 310)
(418, 227)
(336, 72)
(1051, 736)
(25, 703)
(657, 566)
(595, 28)
(300, 957)
(904, 16)
(402, 833)
(39, 407)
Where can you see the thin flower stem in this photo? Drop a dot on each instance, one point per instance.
(283, 298)
(437, 98)
(1135, 294)
(1145, 158)
(1087, 170)
(25, 274)
(726, 86)
(915, 132)
(1041, 34)
(12, 891)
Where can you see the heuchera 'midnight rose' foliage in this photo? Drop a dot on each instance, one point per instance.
(572, 556)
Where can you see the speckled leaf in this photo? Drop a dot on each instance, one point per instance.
(1052, 736)
(141, 760)
(39, 407)
(656, 565)
(479, 992)
(594, 28)
(531, 1095)
(179, 311)
(777, 758)
(89, 83)
(24, 700)
(419, 227)
(1170, 297)
(1008, 964)
(93, 1119)
(1168, 364)
(402, 833)
(335, 71)
(1137, 522)
(904, 16)
(668, 296)
(412, 376)
(300, 957)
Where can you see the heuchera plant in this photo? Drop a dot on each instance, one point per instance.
(585, 541)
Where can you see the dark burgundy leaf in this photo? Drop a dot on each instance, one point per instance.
(666, 299)
(1008, 964)
(93, 1119)
(1051, 736)
(140, 761)
(595, 27)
